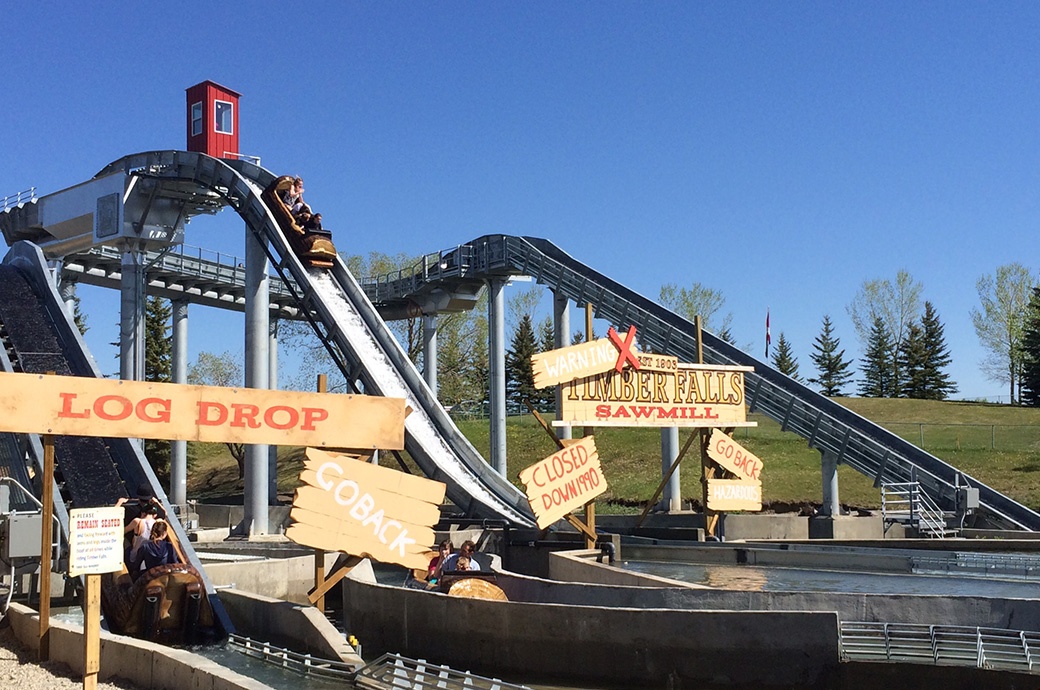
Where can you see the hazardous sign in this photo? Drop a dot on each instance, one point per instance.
(365, 510)
(734, 494)
(79, 406)
(565, 480)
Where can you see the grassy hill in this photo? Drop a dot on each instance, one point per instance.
(997, 444)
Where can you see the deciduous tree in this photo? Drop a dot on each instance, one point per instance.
(699, 300)
(1000, 319)
(224, 370)
(897, 303)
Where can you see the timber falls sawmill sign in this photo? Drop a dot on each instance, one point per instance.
(607, 382)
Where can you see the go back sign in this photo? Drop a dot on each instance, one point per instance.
(365, 510)
(79, 406)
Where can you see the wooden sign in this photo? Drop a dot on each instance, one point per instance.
(95, 541)
(365, 510)
(78, 406)
(731, 455)
(564, 481)
(575, 361)
(691, 395)
(725, 495)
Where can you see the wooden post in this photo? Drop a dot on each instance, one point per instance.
(319, 554)
(711, 519)
(91, 632)
(590, 507)
(46, 539)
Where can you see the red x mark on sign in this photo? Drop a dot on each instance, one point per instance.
(624, 348)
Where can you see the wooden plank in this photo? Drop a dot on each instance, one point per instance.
(80, 406)
(734, 457)
(734, 494)
(565, 480)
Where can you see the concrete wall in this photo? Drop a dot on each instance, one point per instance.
(575, 580)
(742, 526)
(301, 628)
(601, 644)
(279, 578)
(144, 664)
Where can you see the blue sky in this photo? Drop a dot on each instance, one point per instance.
(781, 153)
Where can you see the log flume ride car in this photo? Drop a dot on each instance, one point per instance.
(313, 247)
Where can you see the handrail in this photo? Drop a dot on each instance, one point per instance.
(24, 197)
(899, 499)
(394, 670)
(304, 664)
(989, 648)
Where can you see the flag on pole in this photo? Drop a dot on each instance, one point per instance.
(768, 339)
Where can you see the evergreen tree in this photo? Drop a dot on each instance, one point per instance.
(912, 360)
(158, 366)
(937, 383)
(547, 342)
(783, 358)
(78, 318)
(519, 371)
(1031, 352)
(829, 361)
(878, 368)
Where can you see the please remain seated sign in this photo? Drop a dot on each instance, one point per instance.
(95, 541)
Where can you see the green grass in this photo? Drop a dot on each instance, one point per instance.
(997, 444)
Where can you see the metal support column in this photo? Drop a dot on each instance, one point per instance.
(497, 366)
(561, 338)
(131, 315)
(257, 367)
(829, 469)
(429, 335)
(67, 290)
(272, 383)
(179, 374)
(671, 497)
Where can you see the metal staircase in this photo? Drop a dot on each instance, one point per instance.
(905, 503)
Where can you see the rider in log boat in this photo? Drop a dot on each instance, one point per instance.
(302, 227)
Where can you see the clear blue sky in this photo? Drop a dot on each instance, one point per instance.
(779, 152)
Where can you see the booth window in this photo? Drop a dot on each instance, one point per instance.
(222, 117)
(196, 119)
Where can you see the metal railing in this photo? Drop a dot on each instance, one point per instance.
(23, 197)
(395, 671)
(989, 648)
(908, 503)
(304, 664)
(1009, 566)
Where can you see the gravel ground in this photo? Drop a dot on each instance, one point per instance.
(18, 669)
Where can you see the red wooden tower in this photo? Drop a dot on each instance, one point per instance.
(213, 120)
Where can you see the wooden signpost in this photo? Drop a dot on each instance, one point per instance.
(52, 405)
(95, 548)
(79, 406)
(565, 480)
(607, 382)
(363, 510)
